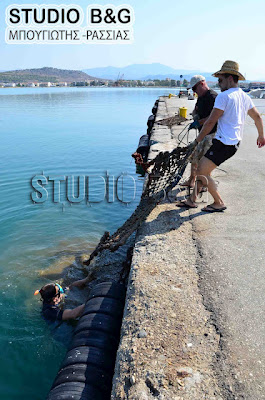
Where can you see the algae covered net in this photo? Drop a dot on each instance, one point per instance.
(170, 121)
(164, 173)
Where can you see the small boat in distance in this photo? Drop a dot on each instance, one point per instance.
(257, 93)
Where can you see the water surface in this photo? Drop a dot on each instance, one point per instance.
(56, 132)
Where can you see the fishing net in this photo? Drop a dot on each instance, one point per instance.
(170, 121)
(164, 173)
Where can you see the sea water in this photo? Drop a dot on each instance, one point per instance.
(57, 132)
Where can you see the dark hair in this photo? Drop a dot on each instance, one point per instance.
(48, 292)
(235, 77)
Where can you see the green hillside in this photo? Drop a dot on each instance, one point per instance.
(45, 74)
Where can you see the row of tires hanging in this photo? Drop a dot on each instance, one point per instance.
(87, 370)
(143, 145)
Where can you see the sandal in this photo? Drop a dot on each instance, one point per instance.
(183, 204)
(212, 209)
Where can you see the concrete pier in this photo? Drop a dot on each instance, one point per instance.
(193, 324)
(168, 342)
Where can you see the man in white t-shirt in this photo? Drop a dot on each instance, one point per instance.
(230, 110)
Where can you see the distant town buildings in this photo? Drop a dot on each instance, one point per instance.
(46, 84)
(167, 82)
(256, 85)
(33, 84)
(8, 84)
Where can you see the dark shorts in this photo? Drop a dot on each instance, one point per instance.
(220, 152)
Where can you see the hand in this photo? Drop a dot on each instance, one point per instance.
(261, 142)
(81, 283)
(195, 125)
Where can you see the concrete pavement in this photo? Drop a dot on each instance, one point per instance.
(194, 326)
(231, 266)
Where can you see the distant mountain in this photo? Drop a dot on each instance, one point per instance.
(186, 75)
(144, 72)
(134, 71)
(45, 74)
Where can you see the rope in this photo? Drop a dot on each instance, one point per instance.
(165, 171)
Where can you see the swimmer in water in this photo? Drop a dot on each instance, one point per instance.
(52, 295)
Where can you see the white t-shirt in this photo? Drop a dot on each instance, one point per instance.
(235, 103)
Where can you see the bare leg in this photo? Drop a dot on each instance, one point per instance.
(193, 173)
(204, 178)
(83, 282)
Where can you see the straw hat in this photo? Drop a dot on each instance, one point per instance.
(230, 67)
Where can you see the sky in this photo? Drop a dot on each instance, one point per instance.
(188, 35)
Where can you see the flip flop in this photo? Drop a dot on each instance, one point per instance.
(185, 205)
(212, 209)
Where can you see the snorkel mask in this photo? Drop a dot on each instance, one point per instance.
(61, 290)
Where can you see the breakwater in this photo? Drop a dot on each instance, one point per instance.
(168, 342)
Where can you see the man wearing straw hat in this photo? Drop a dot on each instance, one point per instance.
(230, 110)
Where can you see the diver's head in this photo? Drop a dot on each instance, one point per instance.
(51, 293)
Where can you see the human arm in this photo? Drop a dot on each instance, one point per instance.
(197, 123)
(202, 120)
(74, 313)
(255, 115)
(209, 123)
(82, 282)
(195, 111)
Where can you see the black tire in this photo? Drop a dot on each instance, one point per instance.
(109, 289)
(143, 143)
(87, 370)
(154, 110)
(91, 356)
(100, 322)
(97, 339)
(88, 374)
(104, 305)
(94, 333)
(76, 391)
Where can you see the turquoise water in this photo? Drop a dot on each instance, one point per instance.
(56, 132)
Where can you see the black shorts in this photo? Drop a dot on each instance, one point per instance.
(220, 152)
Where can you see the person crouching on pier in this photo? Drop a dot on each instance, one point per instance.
(230, 110)
(201, 112)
